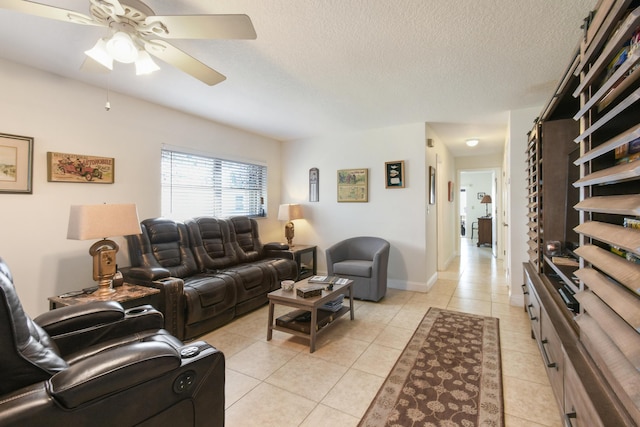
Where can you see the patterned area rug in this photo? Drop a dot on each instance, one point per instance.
(449, 374)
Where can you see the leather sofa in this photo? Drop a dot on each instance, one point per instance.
(96, 364)
(208, 270)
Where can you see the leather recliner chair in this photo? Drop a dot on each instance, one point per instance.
(98, 365)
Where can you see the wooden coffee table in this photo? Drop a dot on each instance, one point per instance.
(311, 304)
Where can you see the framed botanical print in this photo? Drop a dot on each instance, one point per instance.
(353, 185)
(16, 164)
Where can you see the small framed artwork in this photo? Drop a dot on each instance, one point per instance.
(394, 174)
(16, 164)
(64, 167)
(432, 185)
(480, 196)
(353, 185)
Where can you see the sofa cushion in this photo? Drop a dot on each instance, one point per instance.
(167, 246)
(210, 240)
(245, 238)
(354, 267)
(208, 295)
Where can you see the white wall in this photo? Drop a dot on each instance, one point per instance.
(446, 223)
(66, 116)
(400, 215)
(520, 122)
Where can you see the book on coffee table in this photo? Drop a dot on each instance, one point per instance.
(328, 279)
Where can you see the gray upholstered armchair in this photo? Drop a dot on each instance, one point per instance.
(363, 260)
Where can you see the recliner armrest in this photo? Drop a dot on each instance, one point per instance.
(276, 250)
(73, 334)
(81, 316)
(112, 371)
(148, 274)
(277, 246)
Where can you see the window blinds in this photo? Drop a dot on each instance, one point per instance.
(195, 185)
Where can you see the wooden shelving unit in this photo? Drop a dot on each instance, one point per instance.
(597, 383)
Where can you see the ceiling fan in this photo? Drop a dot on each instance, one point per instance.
(135, 31)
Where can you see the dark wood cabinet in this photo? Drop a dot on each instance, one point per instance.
(484, 231)
(584, 192)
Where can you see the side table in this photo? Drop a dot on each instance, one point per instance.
(128, 295)
(306, 258)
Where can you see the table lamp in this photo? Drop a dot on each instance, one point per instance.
(289, 213)
(99, 222)
(486, 199)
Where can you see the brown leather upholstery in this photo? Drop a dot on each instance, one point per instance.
(97, 364)
(220, 264)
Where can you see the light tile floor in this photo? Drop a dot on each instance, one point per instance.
(279, 383)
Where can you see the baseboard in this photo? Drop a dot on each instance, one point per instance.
(404, 285)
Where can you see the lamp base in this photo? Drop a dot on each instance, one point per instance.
(289, 232)
(104, 288)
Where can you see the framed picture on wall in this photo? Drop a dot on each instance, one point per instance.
(394, 174)
(480, 196)
(65, 167)
(353, 185)
(432, 185)
(16, 164)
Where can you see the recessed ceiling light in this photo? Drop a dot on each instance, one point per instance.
(472, 142)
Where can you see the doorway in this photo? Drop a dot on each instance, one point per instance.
(474, 206)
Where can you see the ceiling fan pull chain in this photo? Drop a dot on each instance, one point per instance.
(107, 106)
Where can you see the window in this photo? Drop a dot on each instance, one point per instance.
(196, 185)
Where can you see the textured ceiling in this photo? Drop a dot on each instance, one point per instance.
(324, 66)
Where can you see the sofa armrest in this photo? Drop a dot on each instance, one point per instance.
(276, 250)
(145, 274)
(278, 246)
(112, 371)
(171, 297)
(78, 317)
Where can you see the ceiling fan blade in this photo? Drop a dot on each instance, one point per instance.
(202, 26)
(46, 11)
(179, 59)
(117, 7)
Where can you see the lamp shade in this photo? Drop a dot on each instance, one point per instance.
(485, 199)
(290, 212)
(102, 221)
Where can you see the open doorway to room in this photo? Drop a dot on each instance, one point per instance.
(478, 204)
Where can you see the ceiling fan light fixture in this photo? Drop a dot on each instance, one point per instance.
(122, 48)
(472, 142)
(144, 64)
(99, 54)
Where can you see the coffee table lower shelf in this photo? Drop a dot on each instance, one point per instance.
(303, 329)
(320, 320)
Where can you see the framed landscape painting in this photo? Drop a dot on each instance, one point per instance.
(16, 164)
(353, 185)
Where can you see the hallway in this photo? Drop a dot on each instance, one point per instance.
(279, 383)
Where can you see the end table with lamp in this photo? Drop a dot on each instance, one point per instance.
(127, 294)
